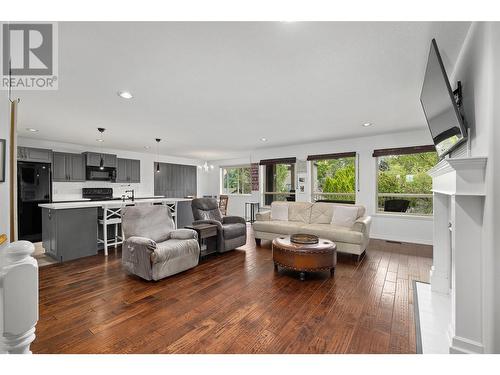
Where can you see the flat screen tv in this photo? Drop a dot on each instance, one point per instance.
(441, 107)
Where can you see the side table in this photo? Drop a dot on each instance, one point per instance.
(207, 238)
(251, 208)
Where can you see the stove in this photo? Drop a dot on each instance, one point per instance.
(98, 194)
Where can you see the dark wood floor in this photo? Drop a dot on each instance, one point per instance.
(233, 303)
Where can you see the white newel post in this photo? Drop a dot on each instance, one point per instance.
(459, 190)
(18, 297)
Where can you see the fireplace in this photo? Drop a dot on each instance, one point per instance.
(459, 190)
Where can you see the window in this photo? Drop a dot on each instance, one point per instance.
(236, 180)
(334, 177)
(279, 180)
(402, 182)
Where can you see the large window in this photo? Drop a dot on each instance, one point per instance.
(403, 185)
(236, 180)
(279, 180)
(334, 177)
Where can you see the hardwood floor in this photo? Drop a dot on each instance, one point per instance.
(234, 303)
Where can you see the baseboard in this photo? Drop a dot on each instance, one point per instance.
(461, 345)
(401, 239)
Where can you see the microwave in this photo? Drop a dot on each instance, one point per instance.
(98, 174)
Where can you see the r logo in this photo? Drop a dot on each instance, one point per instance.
(29, 47)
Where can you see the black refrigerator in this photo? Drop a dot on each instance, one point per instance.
(33, 187)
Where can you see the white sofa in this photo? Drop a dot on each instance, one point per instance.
(315, 218)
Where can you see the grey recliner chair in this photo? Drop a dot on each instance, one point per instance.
(153, 248)
(231, 230)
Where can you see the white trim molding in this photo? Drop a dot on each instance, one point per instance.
(460, 176)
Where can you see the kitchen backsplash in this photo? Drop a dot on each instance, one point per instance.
(62, 191)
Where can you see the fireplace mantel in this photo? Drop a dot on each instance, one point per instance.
(459, 176)
(459, 189)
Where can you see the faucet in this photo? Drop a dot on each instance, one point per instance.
(131, 191)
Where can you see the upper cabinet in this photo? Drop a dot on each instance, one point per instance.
(72, 167)
(68, 167)
(128, 170)
(93, 159)
(39, 155)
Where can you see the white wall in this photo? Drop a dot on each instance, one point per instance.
(478, 67)
(391, 227)
(73, 190)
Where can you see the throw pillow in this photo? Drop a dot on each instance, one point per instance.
(344, 216)
(279, 212)
(213, 214)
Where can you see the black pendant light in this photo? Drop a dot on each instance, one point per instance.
(158, 155)
(101, 162)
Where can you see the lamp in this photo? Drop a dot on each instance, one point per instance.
(158, 140)
(101, 162)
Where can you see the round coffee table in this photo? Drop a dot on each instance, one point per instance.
(321, 256)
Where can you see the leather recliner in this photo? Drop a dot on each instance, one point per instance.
(231, 230)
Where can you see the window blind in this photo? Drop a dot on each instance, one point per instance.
(403, 150)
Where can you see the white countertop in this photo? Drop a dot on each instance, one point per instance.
(109, 203)
(67, 199)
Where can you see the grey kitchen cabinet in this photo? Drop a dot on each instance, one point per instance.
(39, 155)
(184, 214)
(70, 233)
(121, 170)
(93, 159)
(77, 172)
(135, 170)
(59, 167)
(175, 180)
(68, 167)
(128, 170)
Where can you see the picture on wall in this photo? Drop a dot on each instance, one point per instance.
(2, 159)
(254, 173)
(301, 182)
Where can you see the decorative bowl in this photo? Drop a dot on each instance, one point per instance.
(304, 239)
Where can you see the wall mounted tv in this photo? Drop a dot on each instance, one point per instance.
(442, 105)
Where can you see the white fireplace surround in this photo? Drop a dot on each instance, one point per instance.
(459, 189)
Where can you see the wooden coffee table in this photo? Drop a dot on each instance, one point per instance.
(304, 258)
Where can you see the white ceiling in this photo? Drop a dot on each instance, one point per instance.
(211, 90)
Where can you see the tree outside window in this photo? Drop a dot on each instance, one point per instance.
(403, 184)
(279, 183)
(236, 180)
(335, 180)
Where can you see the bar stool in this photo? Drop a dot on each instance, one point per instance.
(111, 216)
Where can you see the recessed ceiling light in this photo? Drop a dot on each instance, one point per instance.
(367, 124)
(147, 147)
(263, 139)
(99, 140)
(125, 94)
(32, 130)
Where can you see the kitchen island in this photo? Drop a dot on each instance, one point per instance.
(70, 230)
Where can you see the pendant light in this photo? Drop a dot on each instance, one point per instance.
(101, 163)
(158, 140)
